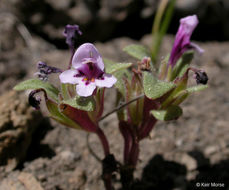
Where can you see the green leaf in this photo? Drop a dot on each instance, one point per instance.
(51, 90)
(183, 94)
(163, 67)
(137, 51)
(112, 67)
(196, 88)
(172, 112)
(64, 90)
(120, 84)
(155, 88)
(182, 64)
(160, 25)
(59, 117)
(81, 103)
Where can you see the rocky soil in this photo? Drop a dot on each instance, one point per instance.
(101, 20)
(178, 154)
(39, 154)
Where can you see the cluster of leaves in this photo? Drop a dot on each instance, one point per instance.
(173, 93)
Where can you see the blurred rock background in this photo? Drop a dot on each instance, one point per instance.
(101, 20)
(37, 153)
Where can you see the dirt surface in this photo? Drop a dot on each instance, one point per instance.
(179, 154)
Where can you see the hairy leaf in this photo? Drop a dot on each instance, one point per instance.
(172, 112)
(51, 90)
(196, 88)
(112, 67)
(137, 51)
(154, 88)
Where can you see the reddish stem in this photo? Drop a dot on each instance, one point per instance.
(134, 153)
(104, 141)
(107, 177)
(147, 127)
(128, 140)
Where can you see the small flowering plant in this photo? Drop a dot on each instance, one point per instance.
(148, 96)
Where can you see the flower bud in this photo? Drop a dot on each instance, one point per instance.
(34, 101)
(44, 70)
(201, 77)
(71, 32)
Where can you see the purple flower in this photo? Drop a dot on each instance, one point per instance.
(88, 71)
(71, 32)
(182, 41)
(44, 71)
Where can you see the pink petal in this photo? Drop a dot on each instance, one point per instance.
(197, 48)
(68, 77)
(108, 81)
(85, 90)
(188, 24)
(182, 39)
(87, 50)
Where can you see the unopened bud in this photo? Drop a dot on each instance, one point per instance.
(34, 101)
(71, 33)
(45, 70)
(201, 77)
(144, 64)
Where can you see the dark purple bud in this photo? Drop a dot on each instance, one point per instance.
(44, 70)
(201, 77)
(41, 65)
(42, 76)
(34, 101)
(71, 33)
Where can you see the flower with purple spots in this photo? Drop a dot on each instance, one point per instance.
(182, 40)
(87, 72)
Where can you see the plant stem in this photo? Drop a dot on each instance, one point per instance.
(107, 176)
(70, 62)
(160, 25)
(121, 106)
(147, 128)
(158, 17)
(127, 171)
(107, 181)
(134, 153)
(91, 150)
(104, 141)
